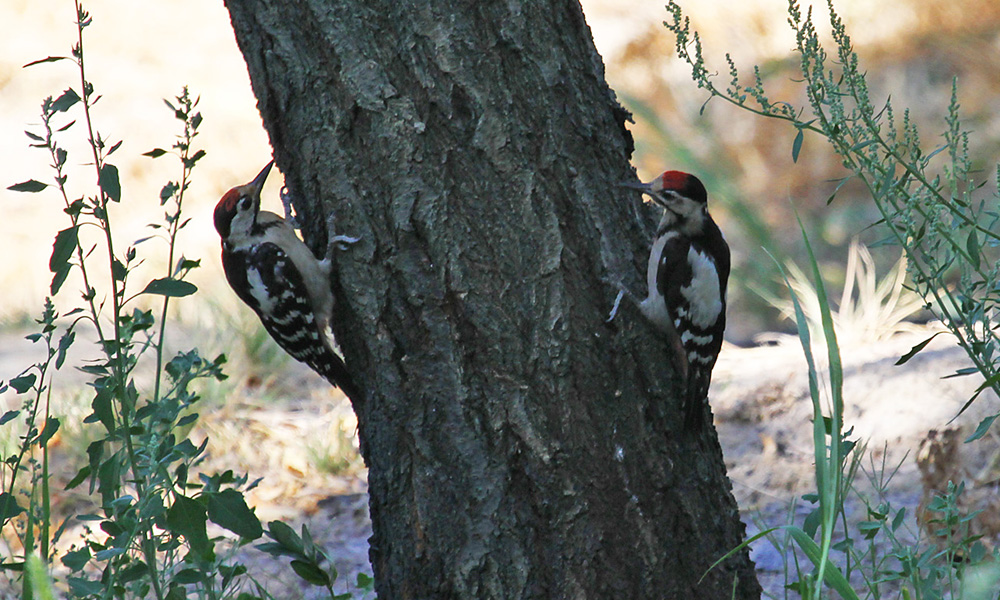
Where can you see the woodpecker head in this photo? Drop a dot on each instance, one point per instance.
(682, 195)
(236, 212)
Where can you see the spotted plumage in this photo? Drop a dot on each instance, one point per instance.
(687, 274)
(276, 275)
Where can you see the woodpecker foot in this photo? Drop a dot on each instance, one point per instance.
(344, 242)
(286, 202)
(614, 309)
(623, 292)
(334, 240)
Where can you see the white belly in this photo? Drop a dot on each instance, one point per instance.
(703, 295)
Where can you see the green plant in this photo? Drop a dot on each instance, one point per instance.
(926, 197)
(150, 537)
(877, 554)
(308, 559)
(146, 533)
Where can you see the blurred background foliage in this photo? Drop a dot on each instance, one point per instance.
(141, 52)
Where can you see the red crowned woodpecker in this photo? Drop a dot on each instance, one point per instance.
(277, 275)
(686, 278)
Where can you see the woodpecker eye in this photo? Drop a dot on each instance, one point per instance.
(245, 203)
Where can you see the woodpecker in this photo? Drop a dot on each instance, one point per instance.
(686, 277)
(277, 275)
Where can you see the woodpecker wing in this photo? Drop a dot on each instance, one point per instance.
(264, 277)
(692, 279)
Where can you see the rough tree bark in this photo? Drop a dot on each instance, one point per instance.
(518, 445)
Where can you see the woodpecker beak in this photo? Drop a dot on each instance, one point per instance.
(645, 188)
(258, 181)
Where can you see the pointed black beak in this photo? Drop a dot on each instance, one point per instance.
(645, 188)
(258, 181)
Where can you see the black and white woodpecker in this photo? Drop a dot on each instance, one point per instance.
(279, 277)
(686, 277)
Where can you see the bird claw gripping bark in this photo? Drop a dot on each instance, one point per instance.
(623, 292)
(334, 241)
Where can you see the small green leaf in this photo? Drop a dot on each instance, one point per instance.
(310, 572)
(914, 350)
(155, 153)
(83, 588)
(62, 249)
(172, 288)
(365, 582)
(187, 576)
(186, 264)
(168, 191)
(47, 59)
(285, 536)
(133, 572)
(190, 162)
(980, 431)
(869, 529)
(276, 549)
(898, 519)
(7, 416)
(23, 383)
(31, 186)
(9, 507)
(797, 146)
(186, 517)
(78, 478)
(67, 100)
(108, 553)
(103, 411)
(76, 559)
(962, 372)
(64, 343)
(972, 247)
(50, 429)
(58, 279)
(109, 182)
(229, 509)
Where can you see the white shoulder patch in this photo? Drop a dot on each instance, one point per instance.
(703, 295)
(258, 289)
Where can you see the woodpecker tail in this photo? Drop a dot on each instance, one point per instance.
(696, 399)
(335, 371)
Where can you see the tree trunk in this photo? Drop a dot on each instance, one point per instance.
(518, 445)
